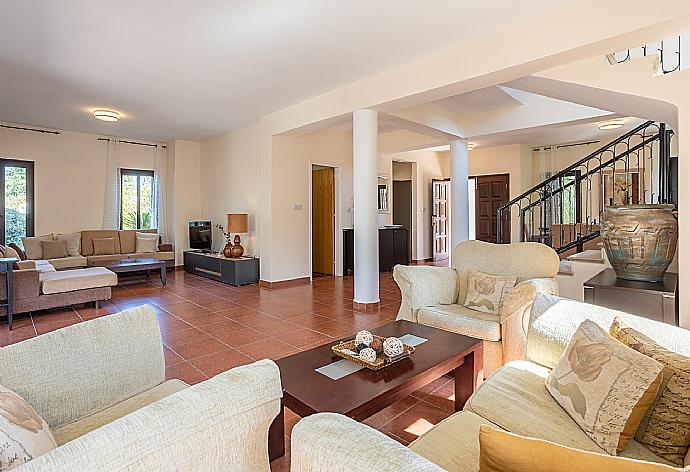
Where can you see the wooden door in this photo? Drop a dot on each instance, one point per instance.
(402, 207)
(323, 221)
(440, 191)
(491, 192)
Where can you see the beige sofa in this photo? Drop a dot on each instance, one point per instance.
(513, 399)
(100, 385)
(125, 247)
(434, 296)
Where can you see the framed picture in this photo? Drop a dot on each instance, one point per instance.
(623, 188)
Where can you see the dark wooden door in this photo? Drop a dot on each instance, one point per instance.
(323, 221)
(402, 207)
(491, 192)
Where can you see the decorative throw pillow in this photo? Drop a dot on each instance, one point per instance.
(604, 386)
(103, 246)
(24, 435)
(485, 292)
(500, 451)
(32, 246)
(18, 250)
(147, 242)
(54, 249)
(665, 429)
(72, 241)
(10, 252)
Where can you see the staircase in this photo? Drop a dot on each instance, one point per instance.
(564, 210)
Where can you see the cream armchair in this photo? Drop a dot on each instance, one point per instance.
(434, 296)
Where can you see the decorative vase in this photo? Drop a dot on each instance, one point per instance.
(237, 250)
(640, 240)
(227, 250)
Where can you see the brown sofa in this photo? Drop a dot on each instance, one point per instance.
(125, 247)
(41, 288)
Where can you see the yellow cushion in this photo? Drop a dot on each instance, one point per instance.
(500, 451)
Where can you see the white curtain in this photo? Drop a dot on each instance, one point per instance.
(111, 208)
(159, 194)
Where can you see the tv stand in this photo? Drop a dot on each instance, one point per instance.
(242, 271)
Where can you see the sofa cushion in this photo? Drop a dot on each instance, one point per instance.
(666, 426)
(453, 443)
(25, 434)
(77, 279)
(11, 252)
(72, 241)
(53, 249)
(485, 292)
(501, 451)
(128, 243)
(605, 386)
(87, 240)
(103, 246)
(554, 320)
(104, 259)
(147, 242)
(32, 245)
(515, 399)
(462, 320)
(69, 262)
(162, 255)
(84, 425)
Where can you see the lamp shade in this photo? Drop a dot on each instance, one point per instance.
(237, 222)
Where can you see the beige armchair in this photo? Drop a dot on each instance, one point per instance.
(434, 296)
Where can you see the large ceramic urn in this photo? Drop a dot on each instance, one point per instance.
(640, 240)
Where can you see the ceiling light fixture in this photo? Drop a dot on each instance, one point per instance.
(611, 124)
(106, 115)
(471, 146)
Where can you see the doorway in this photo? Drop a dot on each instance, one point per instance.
(323, 220)
(440, 219)
(491, 192)
(16, 200)
(403, 190)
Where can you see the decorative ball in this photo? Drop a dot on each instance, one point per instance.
(361, 346)
(364, 337)
(367, 354)
(377, 345)
(392, 347)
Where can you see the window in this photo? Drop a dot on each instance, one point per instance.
(570, 199)
(136, 193)
(17, 200)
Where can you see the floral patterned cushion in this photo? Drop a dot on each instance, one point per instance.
(485, 292)
(605, 386)
(23, 434)
(665, 429)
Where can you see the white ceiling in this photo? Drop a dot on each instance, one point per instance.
(480, 101)
(196, 69)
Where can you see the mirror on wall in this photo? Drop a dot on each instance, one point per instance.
(384, 193)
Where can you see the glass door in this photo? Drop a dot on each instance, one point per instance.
(17, 200)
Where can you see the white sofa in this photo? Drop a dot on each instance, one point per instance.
(100, 385)
(514, 399)
(434, 296)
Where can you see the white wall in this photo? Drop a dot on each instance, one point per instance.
(186, 195)
(230, 182)
(69, 175)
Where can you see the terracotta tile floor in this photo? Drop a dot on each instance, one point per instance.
(208, 327)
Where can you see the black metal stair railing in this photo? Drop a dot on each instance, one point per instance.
(564, 210)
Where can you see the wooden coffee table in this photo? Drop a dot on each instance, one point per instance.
(142, 264)
(363, 393)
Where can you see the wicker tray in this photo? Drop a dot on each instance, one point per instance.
(346, 350)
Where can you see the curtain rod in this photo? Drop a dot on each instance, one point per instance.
(42, 131)
(136, 143)
(565, 145)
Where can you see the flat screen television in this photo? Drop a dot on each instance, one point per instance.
(200, 235)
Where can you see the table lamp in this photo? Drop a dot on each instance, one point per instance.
(237, 223)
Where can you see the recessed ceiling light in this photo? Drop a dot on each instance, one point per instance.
(611, 124)
(471, 146)
(106, 115)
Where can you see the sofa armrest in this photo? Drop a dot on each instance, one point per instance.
(28, 264)
(515, 315)
(424, 286)
(220, 424)
(25, 284)
(76, 371)
(165, 247)
(328, 441)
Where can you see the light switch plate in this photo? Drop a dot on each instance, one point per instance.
(296, 206)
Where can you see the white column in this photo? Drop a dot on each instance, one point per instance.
(365, 169)
(459, 196)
